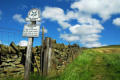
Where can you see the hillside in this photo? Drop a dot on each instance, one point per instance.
(111, 46)
(108, 49)
(92, 65)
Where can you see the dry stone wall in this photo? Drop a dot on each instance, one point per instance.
(10, 62)
(12, 58)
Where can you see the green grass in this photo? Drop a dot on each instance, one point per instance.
(90, 65)
(113, 66)
(79, 69)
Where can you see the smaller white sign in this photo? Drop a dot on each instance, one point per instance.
(33, 15)
(31, 31)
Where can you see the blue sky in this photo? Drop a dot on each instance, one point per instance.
(89, 23)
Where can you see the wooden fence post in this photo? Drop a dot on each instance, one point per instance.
(42, 52)
(47, 57)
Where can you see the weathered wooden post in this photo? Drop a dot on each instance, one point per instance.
(47, 57)
(45, 62)
(30, 31)
(42, 52)
(43, 36)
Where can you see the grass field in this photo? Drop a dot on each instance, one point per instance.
(90, 65)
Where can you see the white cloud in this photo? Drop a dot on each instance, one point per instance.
(23, 43)
(88, 41)
(69, 37)
(85, 39)
(72, 15)
(87, 29)
(18, 17)
(94, 44)
(116, 21)
(104, 8)
(76, 15)
(64, 24)
(59, 29)
(56, 14)
(89, 26)
(87, 32)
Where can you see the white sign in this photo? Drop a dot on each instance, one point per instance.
(31, 31)
(33, 15)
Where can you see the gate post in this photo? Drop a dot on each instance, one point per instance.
(47, 56)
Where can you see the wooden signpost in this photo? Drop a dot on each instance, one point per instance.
(30, 31)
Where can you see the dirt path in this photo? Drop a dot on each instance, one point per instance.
(98, 68)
